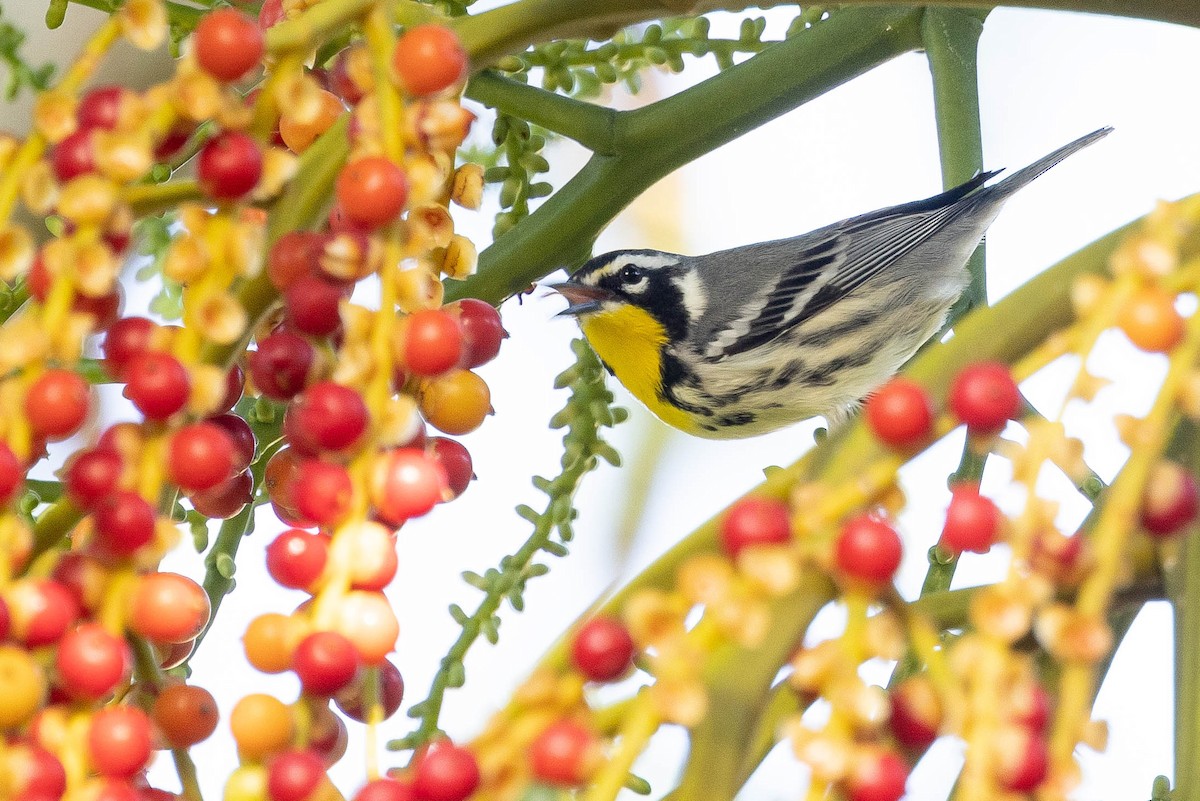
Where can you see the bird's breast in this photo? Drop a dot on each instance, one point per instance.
(630, 341)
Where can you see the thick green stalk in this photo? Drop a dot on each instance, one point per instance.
(653, 141)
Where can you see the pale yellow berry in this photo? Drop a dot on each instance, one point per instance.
(17, 251)
(468, 186)
(144, 23)
(461, 258)
(88, 200)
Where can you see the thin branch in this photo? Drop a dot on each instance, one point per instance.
(589, 125)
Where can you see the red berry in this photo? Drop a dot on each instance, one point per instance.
(120, 741)
(74, 156)
(200, 456)
(371, 190)
(985, 397)
(280, 367)
(868, 550)
(386, 790)
(11, 475)
(294, 775)
(406, 483)
(240, 435)
(323, 491)
(877, 776)
(311, 304)
(602, 649)
(916, 713)
(755, 521)
(428, 59)
(1170, 500)
(91, 476)
(327, 417)
(226, 499)
(40, 611)
(125, 339)
(1024, 760)
(100, 107)
(228, 44)
(564, 754)
(391, 694)
(900, 414)
(157, 384)
(229, 165)
(91, 662)
(295, 254)
(341, 77)
(124, 522)
(456, 461)
(433, 342)
(35, 774)
(168, 608)
(1029, 706)
(326, 662)
(297, 558)
(235, 385)
(57, 404)
(972, 522)
(445, 772)
(482, 330)
(280, 480)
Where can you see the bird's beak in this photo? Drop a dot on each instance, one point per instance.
(582, 297)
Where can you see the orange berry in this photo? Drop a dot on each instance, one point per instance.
(1150, 320)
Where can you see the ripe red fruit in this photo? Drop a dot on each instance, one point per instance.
(1170, 500)
(1024, 760)
(326, 662)
(100, 107)
(602, 649)
(428, 59)
(297, 558)
(57, 404)
(124, 522)
(868, 550)
(280, 480)
(226, 499)
(391, 693)
(482, 330)
(455, 460)
(311, 304)
(126, 338)
(985, 397)
(240, 435)
(168, 608)
(972, 522)
(445, 772)
(294, 254)
(120, 741)
(323, 491)
(91, 662)
(157, 384)
(235, 385)
(386, 790)
(281, 365)
(916, 713)
(294, 775)
(33, 772)
(228, 44)
(74, 156)
(564, 754)
(229, 165)
(11, 474)
(1029, 706)
(327, 417)
(433, 342)
(200, 456)
(185, 714)
(900, 414)
(371, 190)
(40, 611)
(755, 521)
(406, 483)
(877, 776)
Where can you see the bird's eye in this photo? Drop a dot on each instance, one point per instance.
(630, 274)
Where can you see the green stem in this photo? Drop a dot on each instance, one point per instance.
(653, 141)
(149, 674)
(589, 125)
(1183, 589)
(951, 38)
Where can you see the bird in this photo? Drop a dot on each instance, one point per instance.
(745, 341)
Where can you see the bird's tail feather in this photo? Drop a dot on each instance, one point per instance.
(1023, 176)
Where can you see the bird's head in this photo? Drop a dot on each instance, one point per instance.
(664, 285)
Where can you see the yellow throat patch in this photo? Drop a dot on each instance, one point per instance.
(630, 340)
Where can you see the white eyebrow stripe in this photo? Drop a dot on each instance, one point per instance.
(695, 298)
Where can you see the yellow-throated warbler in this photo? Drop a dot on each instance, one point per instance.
(744, 341)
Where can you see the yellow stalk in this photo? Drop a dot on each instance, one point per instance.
(639, 725)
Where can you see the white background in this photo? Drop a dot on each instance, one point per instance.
(1045, 79)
